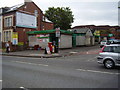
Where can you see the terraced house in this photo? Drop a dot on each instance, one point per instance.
(19, 19)
(0, 24)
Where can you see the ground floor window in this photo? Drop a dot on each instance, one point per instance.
(7, 35)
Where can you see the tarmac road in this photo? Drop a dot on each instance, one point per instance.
(79, 71)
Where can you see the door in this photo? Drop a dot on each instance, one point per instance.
(74, 40)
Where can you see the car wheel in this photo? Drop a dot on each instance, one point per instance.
(109, 64)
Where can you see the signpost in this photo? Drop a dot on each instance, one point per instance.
(57, 32)
(57, 38)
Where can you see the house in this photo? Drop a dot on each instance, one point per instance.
(19, 19)
(82, 36)
(0, 29)
(1, 10)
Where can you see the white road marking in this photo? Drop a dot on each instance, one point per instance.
(23, 88)
(29, 58)
(30, 63)
(21, 57)
(84, 70)
(73, 52)
(0, 80)
(92, 59)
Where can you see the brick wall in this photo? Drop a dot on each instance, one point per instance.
(48, 26)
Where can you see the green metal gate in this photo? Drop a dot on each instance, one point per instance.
(74, 40)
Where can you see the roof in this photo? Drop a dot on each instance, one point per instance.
(15, 7)
(83, 26)
(48, 31)
(81, 30)
(46, 20)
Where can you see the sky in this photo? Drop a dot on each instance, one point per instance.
(86, 12)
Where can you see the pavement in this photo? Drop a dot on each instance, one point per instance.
(62, 52)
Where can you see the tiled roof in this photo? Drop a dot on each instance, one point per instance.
(81, 30)
(14, 7)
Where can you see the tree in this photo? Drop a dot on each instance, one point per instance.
(61, 17)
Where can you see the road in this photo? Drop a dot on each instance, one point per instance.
(78, 71)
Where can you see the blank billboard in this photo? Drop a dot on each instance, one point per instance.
(26, 20)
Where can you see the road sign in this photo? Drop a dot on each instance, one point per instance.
(57, 32)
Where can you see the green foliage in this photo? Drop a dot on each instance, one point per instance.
(20, 43)
(3, 49)
(105, 32)
(61, 17)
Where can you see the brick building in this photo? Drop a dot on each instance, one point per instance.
(19, 19)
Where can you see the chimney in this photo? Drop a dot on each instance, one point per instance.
(28, 1)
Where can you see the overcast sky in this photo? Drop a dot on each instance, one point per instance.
(86, 12)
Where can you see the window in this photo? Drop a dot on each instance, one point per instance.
(36, 13)
(43, 18)
(8, 21)
(107, 49)
(7, 35)
(113, 49)
(116, 49)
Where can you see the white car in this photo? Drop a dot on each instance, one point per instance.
(104, 42)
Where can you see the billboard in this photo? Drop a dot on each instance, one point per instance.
(26, 20)
(15, 38)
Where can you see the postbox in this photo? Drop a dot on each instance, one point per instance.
(50, 46)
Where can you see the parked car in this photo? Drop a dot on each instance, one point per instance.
(114, 41)
(109, 56)
(104, 42)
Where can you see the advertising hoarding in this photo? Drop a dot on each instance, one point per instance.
(26, 20)
(15, 38)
